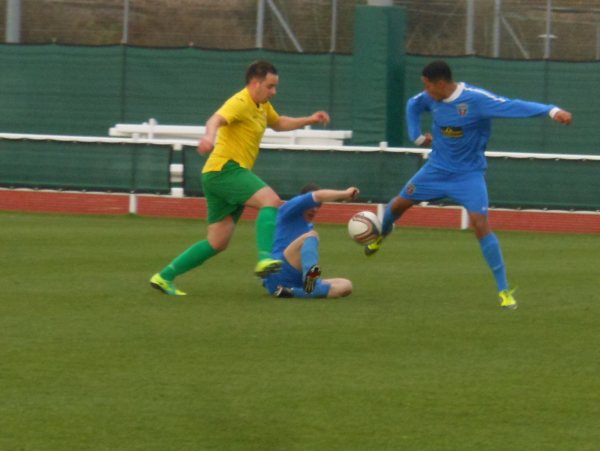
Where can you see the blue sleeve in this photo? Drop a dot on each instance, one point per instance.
(492, 106)
(414, 108)
(296, 206)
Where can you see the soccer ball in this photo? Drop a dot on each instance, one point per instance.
(364, 227)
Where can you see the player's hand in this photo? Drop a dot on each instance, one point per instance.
(564, 117)
(352, 193)
(428, 140)
(205, 145)
(320, 117)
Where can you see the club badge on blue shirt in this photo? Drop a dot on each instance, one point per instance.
(462, 109)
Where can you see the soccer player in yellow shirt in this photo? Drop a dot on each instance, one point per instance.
(233, 134)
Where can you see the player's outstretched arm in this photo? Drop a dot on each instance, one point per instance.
(286, 123)
(332, 195)
(207, 142)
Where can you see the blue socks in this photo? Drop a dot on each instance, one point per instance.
(309, 254)
(490, 247)
(389, 218)
(321, 291)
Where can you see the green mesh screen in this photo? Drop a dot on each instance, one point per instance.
(512, 183)
(553, 184)
(74, 90)
(64, 90)
(84, 90)
(378, 75)
(84, 166)
(378, 175)
(186, 86)
(70, 90)
(567, 85)
(192, 169)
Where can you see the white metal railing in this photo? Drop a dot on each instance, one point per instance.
(178, 143)
(304, 136)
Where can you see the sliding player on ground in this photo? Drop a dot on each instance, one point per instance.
(297, 245)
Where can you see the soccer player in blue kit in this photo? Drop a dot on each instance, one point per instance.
(297, 245)
(461, 128)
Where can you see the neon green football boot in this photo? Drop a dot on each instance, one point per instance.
(166, 286)
(372, 248)
(267, 266)
(507, 301)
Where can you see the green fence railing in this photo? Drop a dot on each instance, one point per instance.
(85, 166)
(542, 181)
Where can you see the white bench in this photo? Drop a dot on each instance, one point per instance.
(153, 130)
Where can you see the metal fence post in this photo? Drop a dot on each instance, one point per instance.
(470, 32)
(497, 15)
(598, 41)
(333, 42)
(125, 37)
(260, 23)
(13, 22)
(548, 36)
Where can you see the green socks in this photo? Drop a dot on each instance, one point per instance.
(265, 231)
(198, 253)
(191, 258)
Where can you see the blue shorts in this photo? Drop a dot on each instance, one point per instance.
(466, 188)
(288, 277)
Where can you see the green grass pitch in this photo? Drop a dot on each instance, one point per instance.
(420, 357)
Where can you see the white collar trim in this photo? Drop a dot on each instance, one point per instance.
(460, 87)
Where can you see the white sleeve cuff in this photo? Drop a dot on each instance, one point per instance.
(553, 112)
(420, 140)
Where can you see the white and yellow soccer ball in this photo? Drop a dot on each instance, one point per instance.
(364, 227)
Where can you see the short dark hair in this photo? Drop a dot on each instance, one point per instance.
(437, 70)
(309, 188)
(259, 69)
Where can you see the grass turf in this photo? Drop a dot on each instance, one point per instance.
(420, 357)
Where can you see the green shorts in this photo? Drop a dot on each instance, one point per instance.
(227, 191)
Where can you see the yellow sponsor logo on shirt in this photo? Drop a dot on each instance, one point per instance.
(452, 132)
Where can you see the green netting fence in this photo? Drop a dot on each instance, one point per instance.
(74, 90)
(546, 184)
(377, 174)
(85, 166)
(144, 168)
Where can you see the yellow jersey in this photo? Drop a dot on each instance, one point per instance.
(239, 139)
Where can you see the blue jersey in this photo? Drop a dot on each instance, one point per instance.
(291, 223)
(461, 125)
